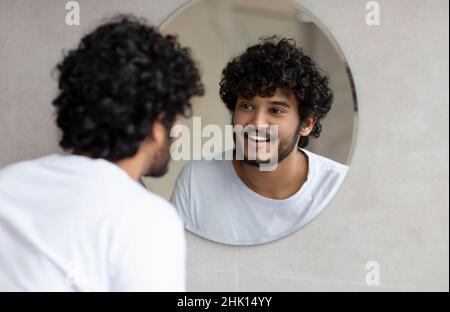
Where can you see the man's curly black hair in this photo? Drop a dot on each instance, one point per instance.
(117, 82)
(274, 64)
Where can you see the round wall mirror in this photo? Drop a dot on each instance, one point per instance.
(263, 63)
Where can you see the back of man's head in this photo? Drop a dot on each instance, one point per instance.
(121, 78)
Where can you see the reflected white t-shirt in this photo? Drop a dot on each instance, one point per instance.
(214, 203)
(72, 223)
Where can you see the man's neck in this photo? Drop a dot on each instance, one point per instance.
(132, 167)
(281, 183)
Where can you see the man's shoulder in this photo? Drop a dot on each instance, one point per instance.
(327, 175)
(13, 170)
(138, 200)
(103, 185)
(135, 209)
(324, 164)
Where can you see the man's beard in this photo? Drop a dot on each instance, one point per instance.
(285, 148)
(160, 163)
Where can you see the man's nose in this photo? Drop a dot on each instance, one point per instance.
(259, 120)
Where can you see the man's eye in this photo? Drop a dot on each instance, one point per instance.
(276, 111)
(245, 106)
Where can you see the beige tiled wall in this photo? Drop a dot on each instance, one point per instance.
(393, 206)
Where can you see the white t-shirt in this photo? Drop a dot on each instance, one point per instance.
(72, 223)
(214, 203)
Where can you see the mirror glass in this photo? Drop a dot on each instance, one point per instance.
(264, 63)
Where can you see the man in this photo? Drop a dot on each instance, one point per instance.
(81, 221)
(277, 97)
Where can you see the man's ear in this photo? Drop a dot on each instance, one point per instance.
(159, 131)
(307, 126)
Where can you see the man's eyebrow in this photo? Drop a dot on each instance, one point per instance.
(272, 102)
(280, 102)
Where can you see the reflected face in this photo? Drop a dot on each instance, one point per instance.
(260, 142)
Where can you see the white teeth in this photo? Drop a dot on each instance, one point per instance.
(257, 138)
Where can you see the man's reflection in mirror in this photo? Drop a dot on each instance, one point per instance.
(271, 85)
